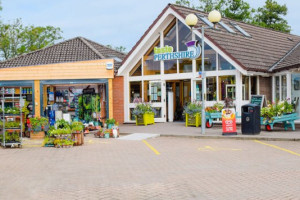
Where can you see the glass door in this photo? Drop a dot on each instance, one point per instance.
(157, 93)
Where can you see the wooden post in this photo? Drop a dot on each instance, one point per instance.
(37, 98)
(110, 98)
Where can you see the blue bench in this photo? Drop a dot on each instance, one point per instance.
(288, 121)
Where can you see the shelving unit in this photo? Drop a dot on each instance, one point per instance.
(15, 100)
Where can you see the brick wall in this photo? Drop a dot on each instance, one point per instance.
(118, 99)
(265, 84)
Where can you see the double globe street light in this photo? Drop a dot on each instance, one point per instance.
(191, 20)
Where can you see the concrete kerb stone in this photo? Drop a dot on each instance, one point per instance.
(238, 137)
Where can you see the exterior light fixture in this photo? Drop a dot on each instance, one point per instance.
(191, 20)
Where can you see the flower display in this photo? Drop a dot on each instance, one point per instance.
(142, 107)
(275, 109)
(193, 108)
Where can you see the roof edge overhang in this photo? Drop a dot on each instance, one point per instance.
(171, 10)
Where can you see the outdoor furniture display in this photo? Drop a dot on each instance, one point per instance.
(144, 119)
(11, 118)
(193, 120)
(288, 121)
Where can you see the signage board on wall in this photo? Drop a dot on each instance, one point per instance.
(258, 100)
(229, 121)
(167, 52)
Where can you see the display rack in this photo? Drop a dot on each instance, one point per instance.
(8, 96)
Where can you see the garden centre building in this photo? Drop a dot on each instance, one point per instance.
(69, 77)
(240, 60)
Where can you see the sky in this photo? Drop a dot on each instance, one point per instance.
(117, 23)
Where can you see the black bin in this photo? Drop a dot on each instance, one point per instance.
(250, 119)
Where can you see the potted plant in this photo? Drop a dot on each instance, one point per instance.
(110, 123)
(276, 109)
(36, 124)
(143, 112)
(192, 113)
(107, 133)
(77, 127)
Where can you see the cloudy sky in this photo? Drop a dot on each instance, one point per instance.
(106, 22)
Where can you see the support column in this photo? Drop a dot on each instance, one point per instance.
(110, 98)
(37, 98)
(238, 92)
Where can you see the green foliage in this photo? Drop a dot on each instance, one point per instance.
(185, 3)
(142, 108)
(25, 109)
(12, 110)
(49, 141)
(217, 107)
(276, 109)
(12, 124)
(77, 126)
(271, 16)
(38, 122)
(119, 48)
(110, 121)
(192, 108)
(62, 124)
(11, 136)
(238, 10)
(17, 39)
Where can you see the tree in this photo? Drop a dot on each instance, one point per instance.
(17, 39)
(120, 48)
(271, 16)
(185, 3)
(209, 5)
(238, 10)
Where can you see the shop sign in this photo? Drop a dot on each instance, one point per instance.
(109, 65)
(229, 121)
(167, 52)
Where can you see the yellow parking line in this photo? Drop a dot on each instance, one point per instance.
(151, 147)
(277, 147)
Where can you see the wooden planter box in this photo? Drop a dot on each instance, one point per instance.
(37, 135)
(193, 120)
(78, 137)
(145, 119)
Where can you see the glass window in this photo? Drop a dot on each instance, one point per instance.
(226, 87)
(170, 40)
(135, 90)
(283, 88)
(211, 89)
(296, 91)
(185, 35)
(210, 56)
(151, 67)
(157, 112)
(186, 91)
(137, 70)
(199, 90)
(245, 87)
(132, 117)
(155, 91)
(185, 66)
(224, 64)
(277, 85)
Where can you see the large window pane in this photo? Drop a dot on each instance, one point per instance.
(151, 67)
(155, 91)
(296, 91)
(137, 70)
(210, 56)
(185, 66)
(170, 40)
(226, 87)
(283, 87)
(185, 35)
(224, 64)
(199, 90)
(211, 89)
(277, 88)
(135, 90)
(245, 87)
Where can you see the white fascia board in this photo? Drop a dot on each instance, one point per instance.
(147, 42)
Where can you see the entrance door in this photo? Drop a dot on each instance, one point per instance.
(158, 99)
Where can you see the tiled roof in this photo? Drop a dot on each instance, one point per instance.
(290, 61)
(72, 50)
(259, 52)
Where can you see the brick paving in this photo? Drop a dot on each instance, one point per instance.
(178, 129)
(187, 168)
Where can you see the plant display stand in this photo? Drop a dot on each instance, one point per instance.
(37, 135)
(192, 120)
(11, 119)
(288, 121)
(210, 117)
(145, 119)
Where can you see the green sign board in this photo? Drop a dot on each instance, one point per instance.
(258, 100)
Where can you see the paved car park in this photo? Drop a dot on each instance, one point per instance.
(158, 168)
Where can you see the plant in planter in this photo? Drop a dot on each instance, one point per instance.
(110, 123)
(107, 133)
(144, 113)
(192, 113)
(276, 109)
(77, 127)
(62, 124)
(37, 123)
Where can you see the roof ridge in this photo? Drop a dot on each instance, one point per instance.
(284, 57)
(106, 47)
(91, 47)
(237, 20)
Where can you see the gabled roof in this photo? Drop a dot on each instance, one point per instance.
(72, 50)
(257, 53)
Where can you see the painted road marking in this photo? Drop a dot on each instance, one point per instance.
(151, 147)
(277, 147)
(209, 148)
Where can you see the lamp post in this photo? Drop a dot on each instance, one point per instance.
(191, 20)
